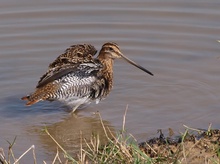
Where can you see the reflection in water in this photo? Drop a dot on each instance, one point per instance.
(68, 133)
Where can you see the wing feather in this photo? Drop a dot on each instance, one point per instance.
(68, 62)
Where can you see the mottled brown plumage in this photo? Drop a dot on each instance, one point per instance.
(77, 78)
(73, 56)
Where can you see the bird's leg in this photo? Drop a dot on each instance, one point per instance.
(75, 107)
(82, 101)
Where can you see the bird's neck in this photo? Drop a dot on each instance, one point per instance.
(106, 61)
(107, 71)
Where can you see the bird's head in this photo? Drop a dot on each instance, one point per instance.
(111, 50)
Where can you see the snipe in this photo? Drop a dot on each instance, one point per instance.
(77, 78)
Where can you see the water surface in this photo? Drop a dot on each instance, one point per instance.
(176, 40)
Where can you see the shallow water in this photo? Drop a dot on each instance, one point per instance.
(176, 40)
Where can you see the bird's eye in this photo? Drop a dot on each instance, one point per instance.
(110, 48)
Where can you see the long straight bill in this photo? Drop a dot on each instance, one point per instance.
(136, 65)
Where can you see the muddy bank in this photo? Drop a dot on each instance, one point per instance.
(194, 146)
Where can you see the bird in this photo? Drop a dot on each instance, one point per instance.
(77, 77)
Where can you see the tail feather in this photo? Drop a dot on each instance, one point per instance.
(40, 94)
(25, 98)
(30, 101)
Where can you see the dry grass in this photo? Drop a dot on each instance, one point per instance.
(120, 148)
(10, 158)
(192, 146)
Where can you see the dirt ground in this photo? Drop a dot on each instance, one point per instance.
(194, 147)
